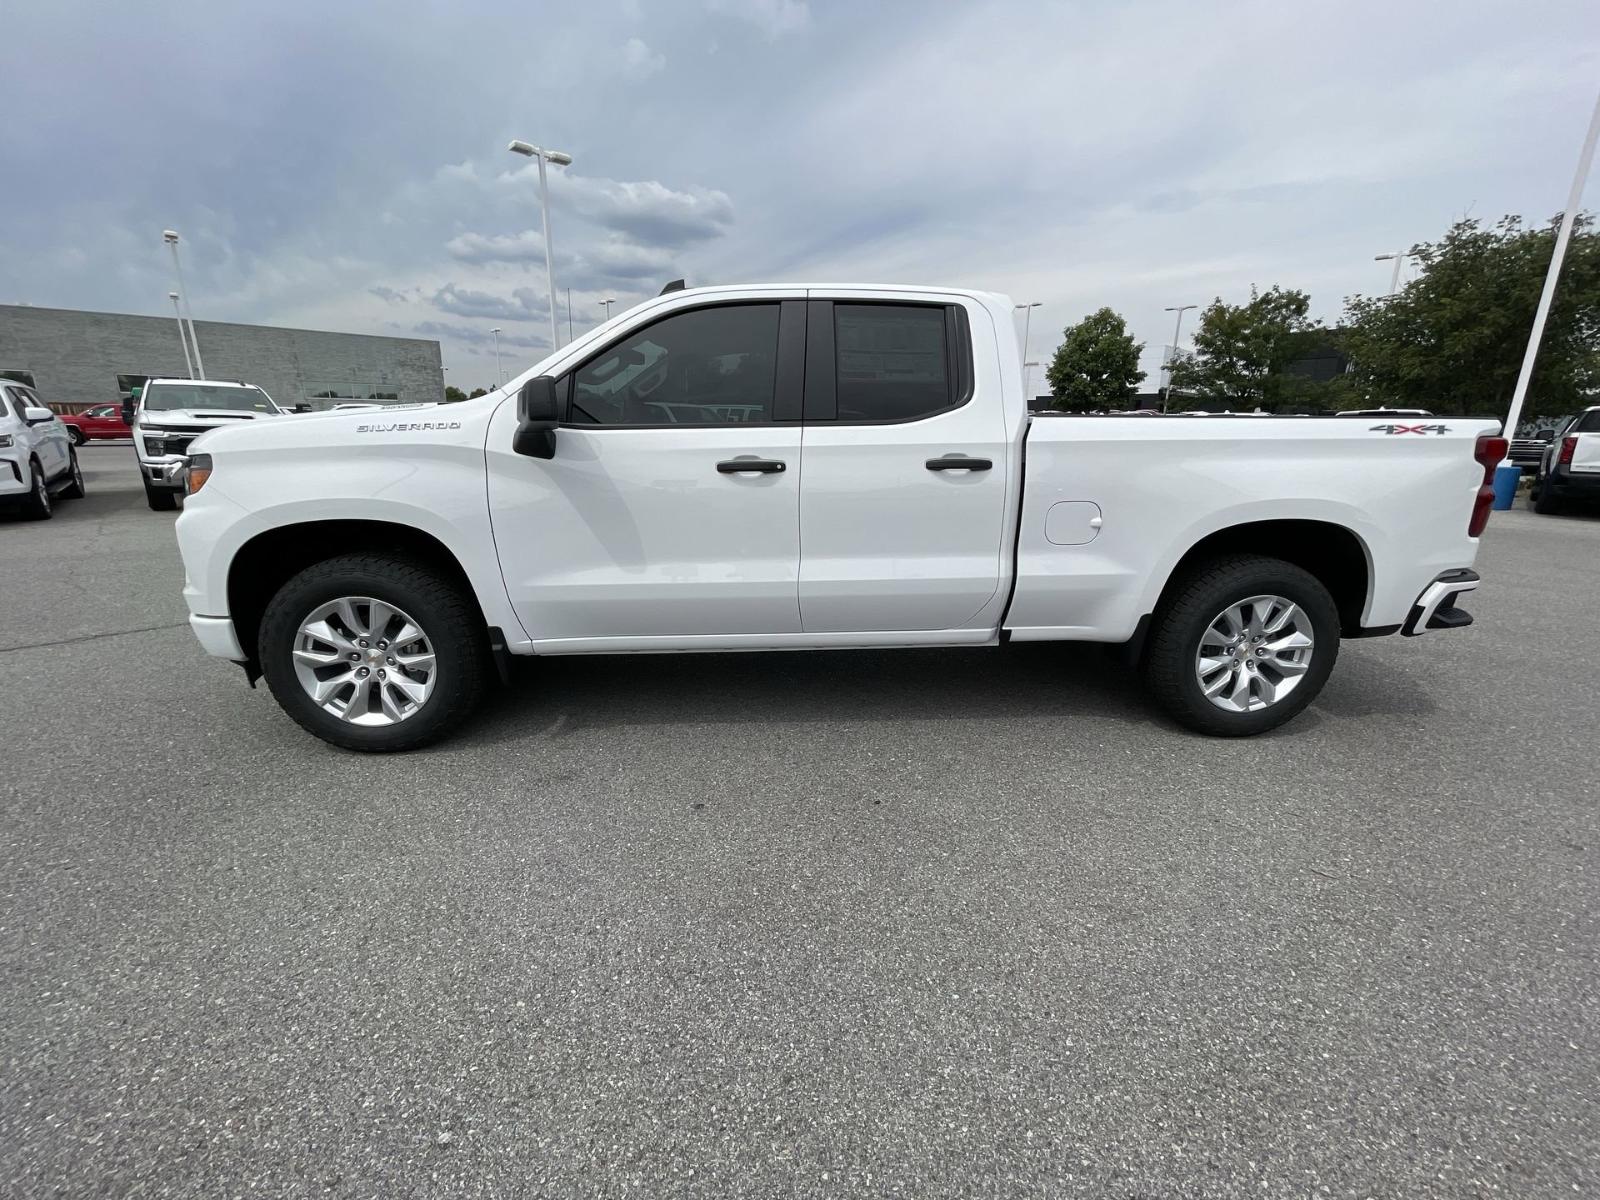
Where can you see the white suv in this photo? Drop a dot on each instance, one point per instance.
(171, 413)
(37, 458)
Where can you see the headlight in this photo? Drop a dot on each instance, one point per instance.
(5, 439)
(199, 472)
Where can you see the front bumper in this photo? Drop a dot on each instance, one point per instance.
(217, 637)
(14, 481)
(1436, 607)
(168, 472)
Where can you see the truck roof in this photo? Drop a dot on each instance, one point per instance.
(813, 285)
(233, 383)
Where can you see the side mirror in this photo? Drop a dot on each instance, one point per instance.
(36, 416)
(536, 419)
(1545, 435)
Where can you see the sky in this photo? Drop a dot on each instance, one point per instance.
(344, 166)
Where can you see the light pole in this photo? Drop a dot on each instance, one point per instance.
(528, 150)
(608, 302)
(1399, 257)
(170, 237)
(1503, 480)
(182, 341)
(1027, 374)
(1177, 327)
(498, 377)
(1027, 322)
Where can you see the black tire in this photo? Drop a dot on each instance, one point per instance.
(449, 615)
(37, 506)
(1545, 500)
(160, 499)
(79, 437)
(1194, 601)
(74, 490)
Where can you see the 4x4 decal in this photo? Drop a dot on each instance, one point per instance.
(1423, 429)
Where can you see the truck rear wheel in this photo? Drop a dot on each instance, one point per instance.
(1545, 501)
(374, 652)
(1241, 645)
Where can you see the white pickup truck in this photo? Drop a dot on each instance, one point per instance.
(1569, 467)
(780, 468)
(170, 413)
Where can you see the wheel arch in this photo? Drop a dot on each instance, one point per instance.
(271, 558)
(1335, 554)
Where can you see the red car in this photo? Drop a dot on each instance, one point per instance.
(99, 423)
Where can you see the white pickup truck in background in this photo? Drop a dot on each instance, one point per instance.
(771, 468)
(170, 413)
(1569, 468)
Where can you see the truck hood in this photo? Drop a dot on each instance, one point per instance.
(199, 416)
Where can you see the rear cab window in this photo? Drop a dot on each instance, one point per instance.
(893, 362)
(871, 363)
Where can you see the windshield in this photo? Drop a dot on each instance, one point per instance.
(166, 397)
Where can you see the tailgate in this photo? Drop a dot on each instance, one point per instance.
(1586, 454)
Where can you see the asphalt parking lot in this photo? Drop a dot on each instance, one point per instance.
(911, 924)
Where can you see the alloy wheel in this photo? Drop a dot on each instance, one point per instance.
(1254, 653)
(364, 661)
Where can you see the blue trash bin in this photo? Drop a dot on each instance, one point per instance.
(1506, 478)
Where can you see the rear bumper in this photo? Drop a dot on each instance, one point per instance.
(217, 637)
(1436, 607)
(1579, 485)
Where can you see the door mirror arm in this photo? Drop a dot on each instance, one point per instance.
(536, 418)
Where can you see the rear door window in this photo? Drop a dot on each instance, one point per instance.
(893, 361)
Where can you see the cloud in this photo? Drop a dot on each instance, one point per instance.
(1022, 160)
(527, 246)
(772, 17)
(623, 258)
(473, 336)
(639, 61)
(650, 211)
(521, 305)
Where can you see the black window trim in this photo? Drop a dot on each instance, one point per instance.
(822, 361)
(787, 383)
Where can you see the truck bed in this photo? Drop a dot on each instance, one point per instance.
(1112, 504)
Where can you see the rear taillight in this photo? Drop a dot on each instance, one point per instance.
(1489, 452)
(1568, 446)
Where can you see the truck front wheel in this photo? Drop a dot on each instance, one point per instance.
(1241, 645)
(160, 499)
(374, 652)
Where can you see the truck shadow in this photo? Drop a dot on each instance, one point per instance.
(1062, 682)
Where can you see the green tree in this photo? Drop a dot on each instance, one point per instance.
(1452, 340)
(476, 392)
(453, 394)
(1242, 353)
(1097, 364)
